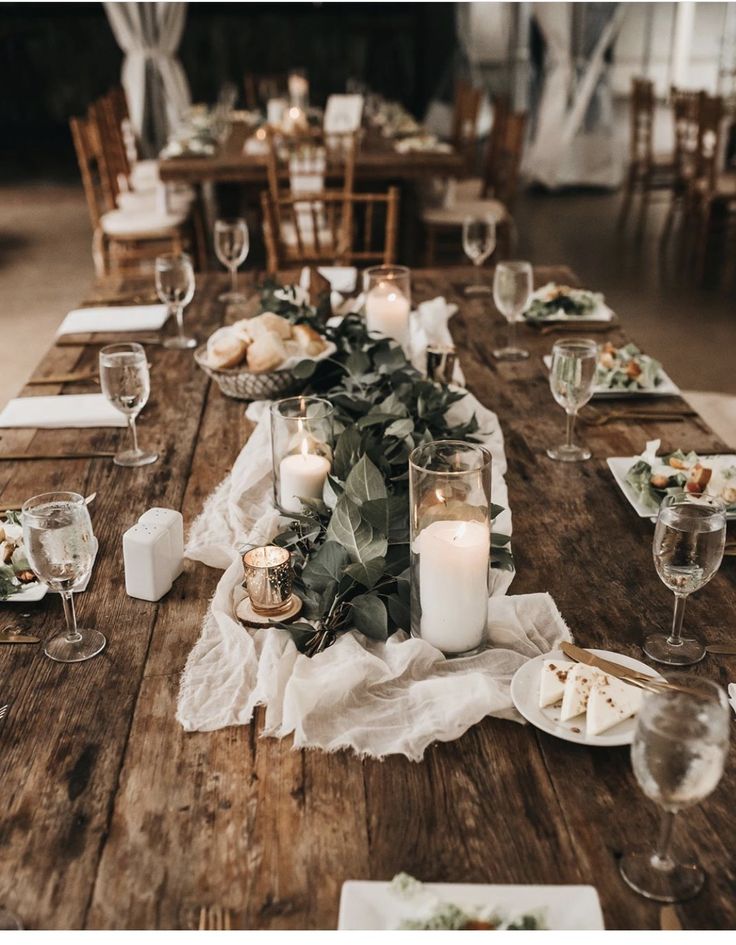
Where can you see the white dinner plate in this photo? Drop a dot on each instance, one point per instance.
(372, 905)
(620, 465)
(525, 696)
(665, 388)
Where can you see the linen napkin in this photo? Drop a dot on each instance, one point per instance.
(732, 695)
(67, 410)
(114, 318)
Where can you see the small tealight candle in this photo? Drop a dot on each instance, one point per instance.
(454, 558)
(268, 578)
(301, 475)
(387, 312)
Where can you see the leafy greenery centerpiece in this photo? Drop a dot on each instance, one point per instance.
(351, 551)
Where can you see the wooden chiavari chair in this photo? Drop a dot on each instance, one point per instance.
(330, 228)
(465, 119)
(646, 171)
(686, 118)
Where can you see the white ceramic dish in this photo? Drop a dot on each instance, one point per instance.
(374, 905)
(525, 696)
(666, 387)
(620, 465)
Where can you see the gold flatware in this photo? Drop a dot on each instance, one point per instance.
(142, 298)
(631, 676)
(68, 341)
(580, 327)
(71, 378)
(8, 637)
(599, 420)
(86, 454)
(721, 649)
(17, 506)
(214, 919)
(669, 921)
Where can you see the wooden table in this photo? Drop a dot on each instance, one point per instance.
(113, 817)
(377, 163)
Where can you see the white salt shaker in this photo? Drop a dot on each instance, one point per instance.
(153, 553)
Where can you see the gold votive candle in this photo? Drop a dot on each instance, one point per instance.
(268, 578)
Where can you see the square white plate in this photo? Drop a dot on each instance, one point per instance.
(620, 465)
(666, 387)
(373, 905)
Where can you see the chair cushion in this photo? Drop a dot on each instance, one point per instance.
(289, 237)
(144, 175)
(140, 224)
(455, 215)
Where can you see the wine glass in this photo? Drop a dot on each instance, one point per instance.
(689, 539)
(175, 287)
(571, 381)
(678, 754)
(231, 247)
(512, 286)
(479, 241)
(60, 547)
(126, 383)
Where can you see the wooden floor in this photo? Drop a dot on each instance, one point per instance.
(115, 818)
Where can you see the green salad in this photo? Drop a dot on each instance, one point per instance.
(554, 300)
(626, 369)
(15, 571)
(653, 477)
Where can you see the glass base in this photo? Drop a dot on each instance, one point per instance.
(478, 290)
(9, 922)
(90, 643)
(135, 458)
(669, 882)
(569, 454)
(510, 354)
(179, 343)
(685, 653)
(231, 297)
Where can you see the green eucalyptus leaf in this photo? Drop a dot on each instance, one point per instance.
(304, 369)
(348, 528)
(367, 574)
(364, 482)
(370, 616)
(325, 565)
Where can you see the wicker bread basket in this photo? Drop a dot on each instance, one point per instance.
(242, 384)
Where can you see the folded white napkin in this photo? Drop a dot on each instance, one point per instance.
(68, 410)
(114, 318)
(732, 696)
(429, 326)
(342, 279)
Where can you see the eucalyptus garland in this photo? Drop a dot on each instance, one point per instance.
(350, 553)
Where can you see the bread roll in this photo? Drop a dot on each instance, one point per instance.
(266, 353)
(225, 349)
(311, 343)
(269, 322)
(241, 329)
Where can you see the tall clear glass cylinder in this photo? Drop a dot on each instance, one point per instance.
(302, 437)
(388, 303)
(450, 535)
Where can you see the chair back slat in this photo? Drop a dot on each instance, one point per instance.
(710, 125)
(505, 150)
(642, 122)
(94, 179)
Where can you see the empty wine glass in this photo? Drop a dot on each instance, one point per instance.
(60, 546)
(689, 539)
(231, 246)
(125, 382)
(512, 286)
(571, 381)
(175, 287)
(678, 753)
(479, 241)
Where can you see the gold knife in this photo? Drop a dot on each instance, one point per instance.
(669, 921)
(18, 638)
(721, 649)
(641, 680)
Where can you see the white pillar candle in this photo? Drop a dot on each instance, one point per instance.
(454, 558)
(387, 312)
(301, 475)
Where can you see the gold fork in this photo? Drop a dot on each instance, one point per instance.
(215, 919)
(601, 419)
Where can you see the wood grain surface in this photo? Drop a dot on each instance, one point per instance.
(114, 817)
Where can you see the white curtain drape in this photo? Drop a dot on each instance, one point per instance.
(149, 34)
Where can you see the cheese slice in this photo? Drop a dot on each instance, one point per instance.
(578, 684)
(610, 701)
(552, 681)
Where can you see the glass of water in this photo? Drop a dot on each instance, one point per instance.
(479, 241)
(571, 381)
(60, 547)
(175, 287)
(231, 246)
(689, 539)
(512, 286)
(125, 382)
(678, 754)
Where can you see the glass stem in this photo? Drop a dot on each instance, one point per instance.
(72, 634)
(180, 320)
(234, 279)
(661, 857)
(133, 432)
(569, 428)
(675, 638)
(512, 332)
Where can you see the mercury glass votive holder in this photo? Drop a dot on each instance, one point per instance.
(450, 537)
(268, 579)
(441, 360)
(302, 437)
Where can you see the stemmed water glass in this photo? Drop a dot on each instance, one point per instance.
(571, 381)
(678, 754)
(512, 286)
(479, 241)
(175, 287)
(60, 546)
(689, 539)
(125, 382)
(231, 247)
